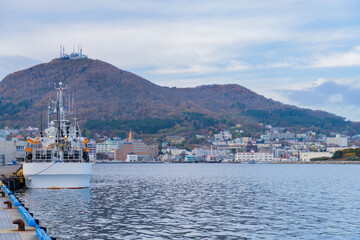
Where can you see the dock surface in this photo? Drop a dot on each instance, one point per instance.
(8, 170)
(8, 230)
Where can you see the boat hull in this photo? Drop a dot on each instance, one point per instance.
(57, 175)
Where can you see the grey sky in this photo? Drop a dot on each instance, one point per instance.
(267, 46)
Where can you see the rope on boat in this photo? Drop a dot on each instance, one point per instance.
(43, 170)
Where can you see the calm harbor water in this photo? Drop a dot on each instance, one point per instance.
(205, 201)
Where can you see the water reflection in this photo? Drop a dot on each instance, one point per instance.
(58, 209)
(205, 201)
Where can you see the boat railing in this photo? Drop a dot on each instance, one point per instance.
(51, 160)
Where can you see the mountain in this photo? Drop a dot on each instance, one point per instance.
(103, 93)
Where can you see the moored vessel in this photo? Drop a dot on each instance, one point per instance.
(58, 158)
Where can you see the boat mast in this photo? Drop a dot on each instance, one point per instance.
(60, 115)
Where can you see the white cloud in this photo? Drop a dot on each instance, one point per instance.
(233, 66)
(338, 59)
(261, 44)
(196, 69)
(338, 96)
(353, 83)
(194, 37)
(279, 65)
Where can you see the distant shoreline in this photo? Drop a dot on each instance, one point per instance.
(322, 162)
(298, 162)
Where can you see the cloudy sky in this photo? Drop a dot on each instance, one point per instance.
(301, 52)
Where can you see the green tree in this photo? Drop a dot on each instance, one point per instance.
(338, 154)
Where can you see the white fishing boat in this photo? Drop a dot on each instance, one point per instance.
(59, 157)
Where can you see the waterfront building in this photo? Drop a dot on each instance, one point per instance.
(212, 158)
(20, 151)
(307, 156)
(136, 147)
(206, 154)
(334, 149)
(92, 150)
(190, 158)
(176, 151)
(259, 157)
(13, 150)
(167, 157)
(203, 152)
(107, 146)
(132, 157)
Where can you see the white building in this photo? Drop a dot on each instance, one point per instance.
(4, 134)
(169, 157)
(108, 146)
(280, 135)
(190, 158)
(212, 158)
(13, 150)
(260, 157)
(178, 151)
(131, 158)
(243, 140)
(338, 140)
(222, 136)
(205, 153)
(334, 149)
(92, 150)
(307, 156)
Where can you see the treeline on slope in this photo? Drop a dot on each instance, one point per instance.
(9, 109)
(350, 154)
(198, 121)
(190, 123)
(296, 117)
(141, 126)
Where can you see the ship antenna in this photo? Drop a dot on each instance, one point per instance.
(73, 98)
(41, 122)
(69, 102)
(58, 121)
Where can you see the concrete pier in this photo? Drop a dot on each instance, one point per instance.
(8, 230)
(16, 223)
(8, 170)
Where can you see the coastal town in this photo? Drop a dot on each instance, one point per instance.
(275, 145)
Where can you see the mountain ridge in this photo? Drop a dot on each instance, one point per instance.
(103, 91)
